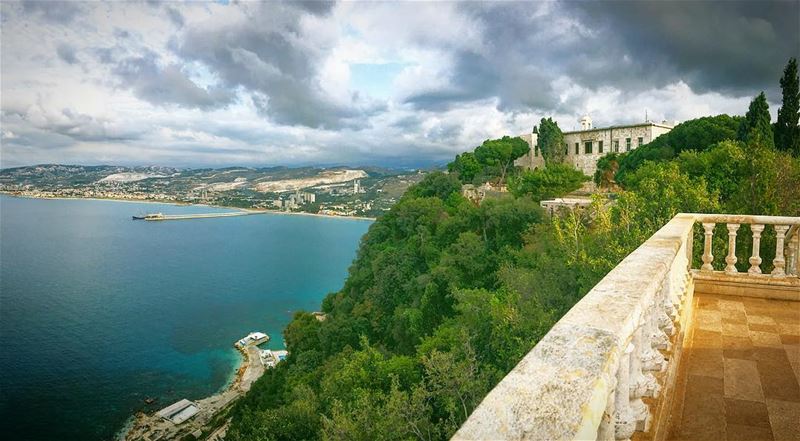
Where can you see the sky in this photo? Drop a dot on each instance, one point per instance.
(197, 84)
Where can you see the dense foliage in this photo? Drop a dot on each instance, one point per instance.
(445, 296)
(697, 134)
(756, 124)
(554, 180)
(551, 141)
(492, 160)
(787, 132)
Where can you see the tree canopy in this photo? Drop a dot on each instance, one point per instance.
(756, 123)
(492, 159)
(787, 132)
(555, 180)
(551, 141)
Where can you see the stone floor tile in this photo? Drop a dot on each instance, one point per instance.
(789, 328)
(708, 320)
(763, 328)
(777, 375)
(730, 305)
(741, 380)
(706, 362)
(737, 347)
(792, 353)
(748, 413)
(760, 320)
(765, 339)
(707, 302)
(733, 316)
(790, 339)
(738, 432)
(703, 339)
(703, 417)
(735, 330)
(784, 418)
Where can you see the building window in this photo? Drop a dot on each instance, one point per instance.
(627, 144)
(587, 147)
(641, 141)
(536, 150)
(576, 148)
(599, 146)
(616, 146)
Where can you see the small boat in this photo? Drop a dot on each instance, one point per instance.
(149, 400)
(149, 216)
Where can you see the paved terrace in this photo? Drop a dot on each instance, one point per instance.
(660, 351)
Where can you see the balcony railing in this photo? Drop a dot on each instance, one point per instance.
(607, 369)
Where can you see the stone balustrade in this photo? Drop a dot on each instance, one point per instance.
(607, 369)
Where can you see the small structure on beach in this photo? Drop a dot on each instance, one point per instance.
(253, 338)
(270, 358)
(180, 411)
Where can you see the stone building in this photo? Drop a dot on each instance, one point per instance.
(586, 146)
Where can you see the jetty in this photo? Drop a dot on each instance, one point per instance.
(164, 217)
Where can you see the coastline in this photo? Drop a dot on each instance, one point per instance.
(248, 370)
(188, 204)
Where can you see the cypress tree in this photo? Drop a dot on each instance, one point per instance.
(756, 124)
(787, 133)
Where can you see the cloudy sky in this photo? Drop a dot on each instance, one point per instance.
(246, 83)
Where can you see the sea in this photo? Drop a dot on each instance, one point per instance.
(99, 312)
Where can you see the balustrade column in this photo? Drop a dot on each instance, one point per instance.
(793, 254)
(779, 261)
(708, 257)
(731, 258)
(755, 259)
(624, 421)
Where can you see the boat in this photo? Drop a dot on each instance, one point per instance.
(254, 338)
(149, 216)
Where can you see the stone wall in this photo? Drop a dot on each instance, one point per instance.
(587, 162)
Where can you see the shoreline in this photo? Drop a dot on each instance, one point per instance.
(248, 370)
(189, 204)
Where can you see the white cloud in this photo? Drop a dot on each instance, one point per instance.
(466, 72)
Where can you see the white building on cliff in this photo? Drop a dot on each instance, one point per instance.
(586, 146)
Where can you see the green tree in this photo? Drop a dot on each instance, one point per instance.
(553, 181)
(465, 166)
(697, 134)
(787, 132)
(551, 141)
(501, 153)
(756, 122)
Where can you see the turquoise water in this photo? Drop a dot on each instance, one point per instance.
(98, 311)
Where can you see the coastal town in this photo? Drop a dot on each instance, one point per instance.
(362, 192)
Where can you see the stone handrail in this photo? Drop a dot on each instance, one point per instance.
(586, 378)
(787, 247)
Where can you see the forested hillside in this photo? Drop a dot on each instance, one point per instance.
(445, 296)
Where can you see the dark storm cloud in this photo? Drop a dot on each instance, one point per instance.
(314, 6)
(175, 17)
(734, 47)
(65, 128)
(267, 55)
(166, 85)
(54, 11)
(66, 53)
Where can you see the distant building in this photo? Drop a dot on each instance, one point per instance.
(586, 146)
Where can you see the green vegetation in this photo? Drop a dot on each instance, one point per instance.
(555, 180)
(492, 160)
(551, 140)
(756, 125)
(697, 134)
(787, 132)
(446, 296)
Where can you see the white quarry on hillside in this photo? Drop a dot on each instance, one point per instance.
(326, 177)
(130, 177)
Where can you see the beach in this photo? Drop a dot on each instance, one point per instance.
(185, 204)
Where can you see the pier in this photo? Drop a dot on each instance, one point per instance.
(164, 217)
